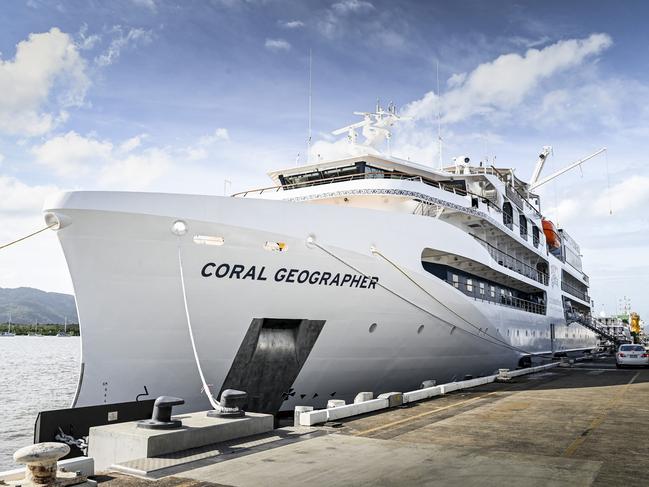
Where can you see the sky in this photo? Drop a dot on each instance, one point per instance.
(153, 95)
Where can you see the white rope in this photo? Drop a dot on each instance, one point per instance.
(451, 325)
(27, 236)
(206, 387)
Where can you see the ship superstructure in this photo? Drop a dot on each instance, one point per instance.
(368, 273)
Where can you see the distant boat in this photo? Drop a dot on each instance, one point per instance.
(8, 332)
(64, 333)
(35, 334)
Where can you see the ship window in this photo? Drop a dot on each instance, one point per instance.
(525, 332)
(481, 289)
(535, 235)
(518, 332)
(456, 280)
(522, 222)
(508, 214)
(492, 290)
(469, 285)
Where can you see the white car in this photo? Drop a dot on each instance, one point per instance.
(631, 355)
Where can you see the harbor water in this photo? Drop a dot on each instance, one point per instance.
(37, 373)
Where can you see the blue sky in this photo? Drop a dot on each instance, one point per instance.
(178, 96)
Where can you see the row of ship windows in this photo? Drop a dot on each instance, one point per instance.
(481, 287)
(542, 334)
(533, 333)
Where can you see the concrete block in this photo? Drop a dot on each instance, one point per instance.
(421, 394)
(394, 398)
(341, 412)
(299, 410)
(363, 396)
(122, 442)
(335, 403)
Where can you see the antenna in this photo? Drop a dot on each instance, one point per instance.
(226, 184)
(308, 140)
(439, 119)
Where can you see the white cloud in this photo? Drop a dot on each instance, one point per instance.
(150, 4)
(277, 45)
(349, 6)
(136, 171)
(86, 42)
(132, 37)
(625, 196)
(201, 149)
(291, 24)
(18, 197)
(504, 83)
(72, 155)
(47, 69)
(130, 144)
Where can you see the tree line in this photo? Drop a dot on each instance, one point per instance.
(40, 328)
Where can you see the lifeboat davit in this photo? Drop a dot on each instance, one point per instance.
(551, 234)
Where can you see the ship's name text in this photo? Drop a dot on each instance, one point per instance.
(299, 276)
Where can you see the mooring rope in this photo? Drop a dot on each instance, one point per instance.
(497, 341)
(27, 236)
(206, 387)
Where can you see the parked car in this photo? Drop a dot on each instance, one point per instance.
(631, 355)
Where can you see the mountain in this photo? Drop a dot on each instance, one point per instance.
(28, 305)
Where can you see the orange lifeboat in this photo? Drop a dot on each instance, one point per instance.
(551, 234)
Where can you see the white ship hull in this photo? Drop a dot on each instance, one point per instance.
(124, 263)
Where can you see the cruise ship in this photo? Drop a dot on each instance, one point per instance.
(368, 273)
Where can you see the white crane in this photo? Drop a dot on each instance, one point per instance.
(535, 182)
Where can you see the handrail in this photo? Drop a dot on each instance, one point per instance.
(370, 175)
(505, 259)
(504, 300)
(576, 292)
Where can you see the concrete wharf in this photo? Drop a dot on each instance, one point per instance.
(583, 425)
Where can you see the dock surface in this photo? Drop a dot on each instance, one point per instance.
(585, 425)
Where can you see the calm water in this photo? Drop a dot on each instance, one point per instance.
(36, 373)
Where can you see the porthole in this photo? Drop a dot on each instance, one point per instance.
(373, 327)
(420, 329)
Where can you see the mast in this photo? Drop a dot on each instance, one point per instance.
(308, 140)
(439, 121)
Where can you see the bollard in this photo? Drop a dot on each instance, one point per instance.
(231, 405)
(161, 417)
(363, 396)
(296, 414)
(428, 383)
(40, 460)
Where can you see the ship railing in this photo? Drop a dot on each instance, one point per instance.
(510, 262)
(576, 292)
(513, 194)
(369, 175)
(592, 324)
(484, 294)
